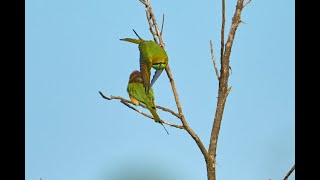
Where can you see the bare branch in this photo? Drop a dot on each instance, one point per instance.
(222, 28)
(289, 173)
(171, 124)
(144, 2)
(183, 120)
(154, 23)
(150, 27)
(168, 110)
(175, 93)
(223, 86)
(105, 97)
(224, 75)
(214, 60)
(127, 103)
(246, 3)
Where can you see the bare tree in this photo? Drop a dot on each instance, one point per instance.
(225, 51)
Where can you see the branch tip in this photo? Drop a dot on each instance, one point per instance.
(105, 97)
(246, 3)
(144, 2)
(214, 61)
(228, 90)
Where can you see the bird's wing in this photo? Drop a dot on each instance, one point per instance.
(145, 73)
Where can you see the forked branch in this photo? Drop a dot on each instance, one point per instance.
(224, 90)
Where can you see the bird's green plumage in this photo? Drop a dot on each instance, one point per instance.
(136, 91)
(152, 55)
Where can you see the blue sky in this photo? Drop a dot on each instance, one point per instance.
(73, 51)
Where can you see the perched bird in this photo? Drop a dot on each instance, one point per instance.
(138, 95)
(151, 56)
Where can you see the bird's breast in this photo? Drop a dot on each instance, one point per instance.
(134, 100)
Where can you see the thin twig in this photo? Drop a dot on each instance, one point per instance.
(222, 28)
(150, 27)
(289, 173)
(127, 103)
(246, 3)
(105, 97)
(168, 110)
(154, 23)
(144, 2)
(183, 120)
(214, 60)
(228, 90)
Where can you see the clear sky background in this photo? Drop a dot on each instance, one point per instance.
(73, 51)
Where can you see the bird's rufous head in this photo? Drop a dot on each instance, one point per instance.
(135, 76)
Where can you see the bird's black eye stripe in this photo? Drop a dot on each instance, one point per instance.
(158, 63)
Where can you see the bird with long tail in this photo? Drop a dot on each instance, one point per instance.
(138, 96)
(152, 55)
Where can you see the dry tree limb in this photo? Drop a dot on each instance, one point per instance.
(214, 60)
(150, 27)
(127, 103)
(153, 23)
(182, 118)
(144, 2)
(223, 88)
(175, 93)
(168, 110)
(289, 173)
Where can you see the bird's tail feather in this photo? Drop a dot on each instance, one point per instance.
(136, 41)
(157, 118)
(155, 114)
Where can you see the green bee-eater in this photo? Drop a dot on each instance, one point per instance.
(138, 96)
(151, 55)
